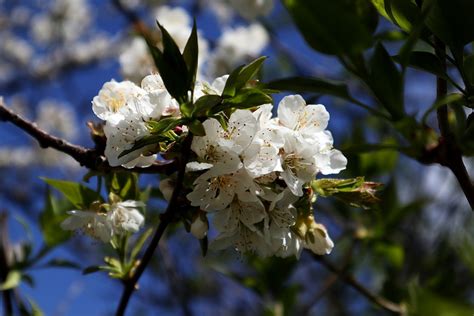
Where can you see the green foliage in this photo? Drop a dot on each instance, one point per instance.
(79, 195)
(339, 27)
(451, 21)
(12, 280)
(316, 85)
(52, 216)
(355, 192)
(403, 13)
(425, 302)
(386, 82)
(123, 184)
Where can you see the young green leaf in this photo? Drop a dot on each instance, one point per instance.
(52, 216)
(79, 195)
(12, 280)
(402, 13)
(139, 244)
(247, 98)
(386, 82)
(190, 55)
(248, 72)
(230, 84)
(316, 85)
(123, 184)
(145, 141)
(163, 125)
(171, 65)
(197, 128)
(205, 104)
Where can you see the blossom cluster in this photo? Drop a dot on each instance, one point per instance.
(253, 176)
(103, 221)
(256, 174)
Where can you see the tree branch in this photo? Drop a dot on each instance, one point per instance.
(449, 153)
(350, 280)
(166, 218)
(87, 157)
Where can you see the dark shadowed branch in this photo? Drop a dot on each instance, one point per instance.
(90, 158)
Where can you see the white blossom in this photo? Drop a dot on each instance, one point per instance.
(121, 217)
(125, 217)
(91, 223)
(136, 61)
(236, 46)
(251, 9)
(237, 226)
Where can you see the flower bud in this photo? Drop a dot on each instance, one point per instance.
(200, 226)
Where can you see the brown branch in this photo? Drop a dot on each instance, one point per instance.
(449, 153)
(87, 157)
(350, 280)
(166, 218)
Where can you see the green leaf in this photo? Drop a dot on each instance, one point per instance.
(50, 219)
(60, 263)
(386, 82)
(186, 109)
(163, 125)
(139, 243)
(336, 27)
(402, 13)
(230, 84)
(426, 61)
(247, 98)
(221, 118)
(424, 302)
(92, 269)
(197, 128)
(391, 253)
(316, 85)
(190, 56)
(451, 21)
(248, 72)
(205, 104)
(35, 309)
(79, 195)
(154, 139)
(11, 281)
(171, 65)
(124, 184)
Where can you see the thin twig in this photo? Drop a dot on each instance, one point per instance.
(350, 280)
(87, 157)
(166, 219)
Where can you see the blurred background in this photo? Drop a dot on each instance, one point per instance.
(415, 247)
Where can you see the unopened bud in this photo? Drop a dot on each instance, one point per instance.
(200, 226)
